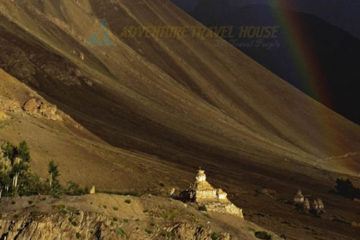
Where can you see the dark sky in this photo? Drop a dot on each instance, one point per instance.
(342, 13)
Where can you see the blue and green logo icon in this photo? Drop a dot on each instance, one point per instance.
(99, 35)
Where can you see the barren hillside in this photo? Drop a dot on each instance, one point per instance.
(180, 99)
(150, 110)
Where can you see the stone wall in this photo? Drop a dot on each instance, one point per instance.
(206, 195)
(227, 208)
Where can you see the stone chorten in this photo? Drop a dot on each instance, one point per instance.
(92, 190)
(204, 192)
(214, 200)
(299, 198)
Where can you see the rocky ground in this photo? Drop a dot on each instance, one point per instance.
(104, 216)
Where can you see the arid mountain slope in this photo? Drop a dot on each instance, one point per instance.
(154, 109)
(82, 157)
(184, 100)
(332, 60)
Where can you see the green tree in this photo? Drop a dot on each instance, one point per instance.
(19, 171)
(12, 152)
(23, 152)
(9, 151)
(16, 177)
(53, 174)
(31, 184)
(74, 189)
(4, 181)
(19, 158)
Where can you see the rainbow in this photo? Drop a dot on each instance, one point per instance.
(310, 70)
(301, 49)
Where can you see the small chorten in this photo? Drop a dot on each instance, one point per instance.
(92, 190)
(320, 204)
(315, 205)
(200, 177)
(299, 197)
(222, 196)
(306, 205)
(172, 192)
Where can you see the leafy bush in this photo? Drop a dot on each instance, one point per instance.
(53, 174)
(169, 214)
(345, 188)
(129, 193)
(60, 209)
(23, 151)
(75, 189)
(202, 208)
(120, 231)
(74, 223)
(214, 236)
(263, 235)
(32, 185)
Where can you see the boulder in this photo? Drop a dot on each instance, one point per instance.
(39, 108)
(3, 116)
(8, 105)
(32, 106)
